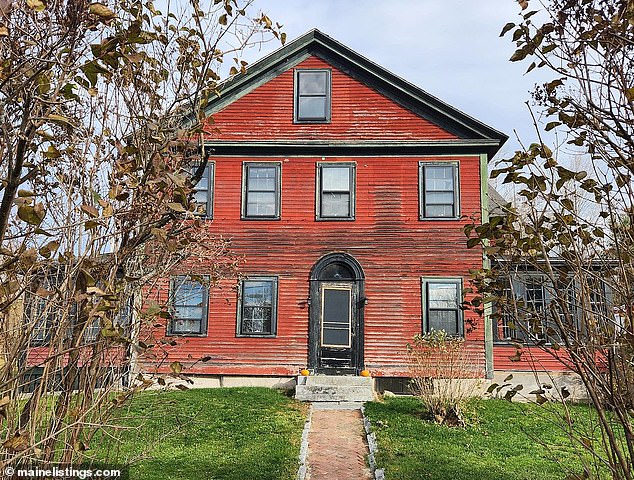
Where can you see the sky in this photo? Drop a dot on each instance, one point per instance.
(449, 48)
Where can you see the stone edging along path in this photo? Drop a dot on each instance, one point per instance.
(379, 473)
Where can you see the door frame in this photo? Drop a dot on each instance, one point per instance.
(357, 312)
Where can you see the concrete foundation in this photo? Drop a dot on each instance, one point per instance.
(326, 388)
(219, 381)
(551, 383)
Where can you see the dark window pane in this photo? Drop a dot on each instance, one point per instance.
(188, 303)
(203, 191)
(444, 320)
(335, 205)
(335, 179)
(262, 194)
(312, 83)
(312, 108)
(256, 320)
(534, 292)
(336, 306)
(40, 331)
(336, 271)
(92, 331)
(339, 337)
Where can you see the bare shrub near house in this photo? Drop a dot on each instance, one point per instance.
(96, 199)
(444, 374)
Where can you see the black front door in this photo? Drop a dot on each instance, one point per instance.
(336, 346)
(336, 314)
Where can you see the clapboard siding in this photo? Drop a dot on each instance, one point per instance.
(532, 359)
(392, 245)
(358, 113)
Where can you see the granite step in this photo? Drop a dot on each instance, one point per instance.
(331, 388)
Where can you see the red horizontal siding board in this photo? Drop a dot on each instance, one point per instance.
(358, 113)
(531, 359)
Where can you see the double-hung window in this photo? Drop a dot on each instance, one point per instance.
(189, 301)
(257, 307)
(442, 298)
(335, 191)
(439, 190)
(312, 96)
(44, 314)
(204, 191)
(261, 196)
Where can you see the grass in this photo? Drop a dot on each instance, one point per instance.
(497, 445)
(221, 434)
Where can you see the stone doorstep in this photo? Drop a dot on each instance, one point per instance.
(343, 380)
(326, 388)
(339, 395)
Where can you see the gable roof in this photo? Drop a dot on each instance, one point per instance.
(498, 205)
(408, 95)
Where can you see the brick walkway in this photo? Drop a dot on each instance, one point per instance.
(337, 447)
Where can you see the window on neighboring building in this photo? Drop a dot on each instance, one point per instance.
(257, 306)
(45, 315)
(188, 299)
(122, 321)
(438, 190)
(261, 190)
(525, 298)
(335, 191)
(535, 324)
(312, 96)
(441, 305)
(204, 191)
(531, 307)
(46, 307)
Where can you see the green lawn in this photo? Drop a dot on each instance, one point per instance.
(221, 434)
(497, 445)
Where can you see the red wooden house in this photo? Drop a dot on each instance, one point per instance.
(346, 190)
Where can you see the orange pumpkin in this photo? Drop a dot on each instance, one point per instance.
(305, 372)
(365, 373)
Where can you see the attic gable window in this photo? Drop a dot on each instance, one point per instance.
(312, 96)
